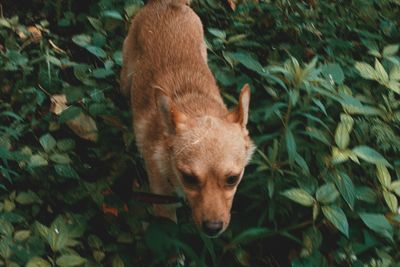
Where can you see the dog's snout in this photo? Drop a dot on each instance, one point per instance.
(212, 228)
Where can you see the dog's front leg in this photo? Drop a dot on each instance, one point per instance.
(159, 184)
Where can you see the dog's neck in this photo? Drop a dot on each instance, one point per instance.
(193, 92)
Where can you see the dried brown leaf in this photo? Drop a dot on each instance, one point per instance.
(82, 125)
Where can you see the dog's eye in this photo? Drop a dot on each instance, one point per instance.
(232, 180)
(190, 180)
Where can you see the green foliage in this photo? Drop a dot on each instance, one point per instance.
(322, 189)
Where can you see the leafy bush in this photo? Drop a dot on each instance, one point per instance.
(322, 189)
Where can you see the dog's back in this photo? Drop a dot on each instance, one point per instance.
(165, 48)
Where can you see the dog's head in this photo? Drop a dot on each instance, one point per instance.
(209, 155)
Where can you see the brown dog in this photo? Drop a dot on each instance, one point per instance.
(189, 140)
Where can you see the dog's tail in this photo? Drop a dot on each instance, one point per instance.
(172, 2)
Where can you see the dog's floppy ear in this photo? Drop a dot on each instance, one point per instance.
(172, 119)
(241, 113)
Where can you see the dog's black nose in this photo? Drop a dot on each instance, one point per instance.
(212, 228)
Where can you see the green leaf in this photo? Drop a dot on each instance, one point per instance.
(395, 73)
(299, 196)
(26, 198)
(248, 61)
(38, 262)
(370, 155)
(390, 50)
(82, 39)
(391, 201)
(22, 235)
(383, 175)
(60, 158)
(342, 137)
(70, 260)
(117, 262)
(337, 217)
(327, 193)
(395, 186)
(378, 223)
(333, 71)
(97, 51)
(366, 194)
(346, 188)
(66, 170)
(65, 145)
(217, 33)
(37, 161)
(250, 235)
(290, 144)
(114, 14)
(96, 23)
(339, 156)
(69, 114)
(381, 72)
(48, 142)
(366, 71)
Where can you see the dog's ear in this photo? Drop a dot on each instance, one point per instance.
(241, 113)
(172, 119)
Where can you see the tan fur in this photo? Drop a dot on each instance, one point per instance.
(180, 121)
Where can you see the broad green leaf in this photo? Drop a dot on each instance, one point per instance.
(217, 33)
(300, 196)
(82, 39)
(38, 262)
(342, 137)
(114, 14)
(383, 175)
(250, 235)
(337, 217)
(60, 158)
(395, 186)
(42, 229)
(48, 142)
(26, 198)
(327, 193)
(395, 73)
(347, 120)
(346, 188)
(66, 170)
(97, 51)
(333, 71)
(370, 155)
(366, 71)
(381, 72)
(394, 86)
(354, 106)
(248, 61)
(391, 201)
(378, 223)
(117, 262)
(37, 161)
(301, 162)
(70, 260)
(22, 235)
(390, 50)
(366, 194)
(339, 156)
(65, 145)
(96, 23)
